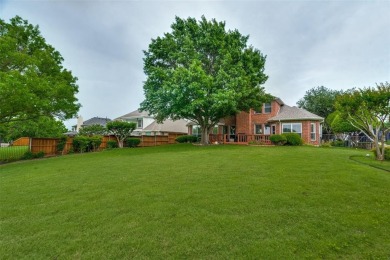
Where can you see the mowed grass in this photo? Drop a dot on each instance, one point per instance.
(12, 153)
(193, 202)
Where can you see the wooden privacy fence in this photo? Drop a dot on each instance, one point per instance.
(49, 145)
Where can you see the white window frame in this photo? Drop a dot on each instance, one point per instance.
(261, 129)
(266, 106)
(139, 123)
(313, 135)
(291, 127)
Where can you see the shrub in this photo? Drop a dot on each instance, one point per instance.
(81, 143)
(278, 139)
(387, 153)
(112, 144)
(40, 154)
(187, 139)
(293, 139)
(29, 155)
(338, 143)
(326, 144)
(132, 142)
(61, 143)
(95, 141)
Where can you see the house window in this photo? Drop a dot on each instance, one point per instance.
(196, 130)
(267, 129)
(292, 128)
(258, 130)
(139, 123)
(273, 127)
(267, 108)
(313, 131)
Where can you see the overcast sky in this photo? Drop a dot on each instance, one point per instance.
(336, 44)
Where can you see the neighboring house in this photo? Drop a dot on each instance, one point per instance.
(272, 118)
(81, 123)
(96, 121)
(147, 125)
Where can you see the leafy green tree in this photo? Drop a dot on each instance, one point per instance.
(203, 73)
(368, 109)
(33, 82)
(338, 124)
(42, 127)
(121, 130)
(320, 101)
(91, 130)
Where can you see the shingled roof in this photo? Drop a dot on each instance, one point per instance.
(288, 113)
(96, 121)
(135, 114)
(178, 126)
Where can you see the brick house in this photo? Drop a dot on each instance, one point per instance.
(272, 118)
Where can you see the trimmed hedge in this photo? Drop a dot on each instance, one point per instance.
(278, 139)
(86, 144)
(112, 144)
(293, 139)
(132, 142)
(187, 139)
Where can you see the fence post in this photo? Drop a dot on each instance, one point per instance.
(30, 144)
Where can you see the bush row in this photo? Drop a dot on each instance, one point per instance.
(286, 139)
(129, 142)
(86, 143)
(187, 139)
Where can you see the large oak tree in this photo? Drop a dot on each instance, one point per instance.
(33, 82)
(202, 72)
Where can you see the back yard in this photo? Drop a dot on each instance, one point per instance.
(185, 201)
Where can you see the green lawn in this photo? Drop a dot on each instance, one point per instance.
(12, 153)
(184, 201)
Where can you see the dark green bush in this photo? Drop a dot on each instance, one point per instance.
(132, 142)
(112, 144)
(95, 142)
(338, 143)
(29, 155)
(86, 143)
(278, 139)
(81, 143)
(387, 153)
(293, 139)
(187, 139)
(40, 154)
(61, 143)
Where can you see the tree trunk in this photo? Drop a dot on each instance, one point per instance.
(205, 135)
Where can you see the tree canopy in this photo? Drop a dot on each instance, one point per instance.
(41, 127)
(121, 130)
(202, 72)
(33, 82)
(368, 109)
(320, 101)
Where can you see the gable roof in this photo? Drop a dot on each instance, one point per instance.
(135, 114)
(177, 126)
(288, 113)
(96, 121)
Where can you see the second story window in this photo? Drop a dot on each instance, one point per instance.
(139, 123)
(267, 108)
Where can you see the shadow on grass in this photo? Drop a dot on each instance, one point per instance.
(370, 161)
